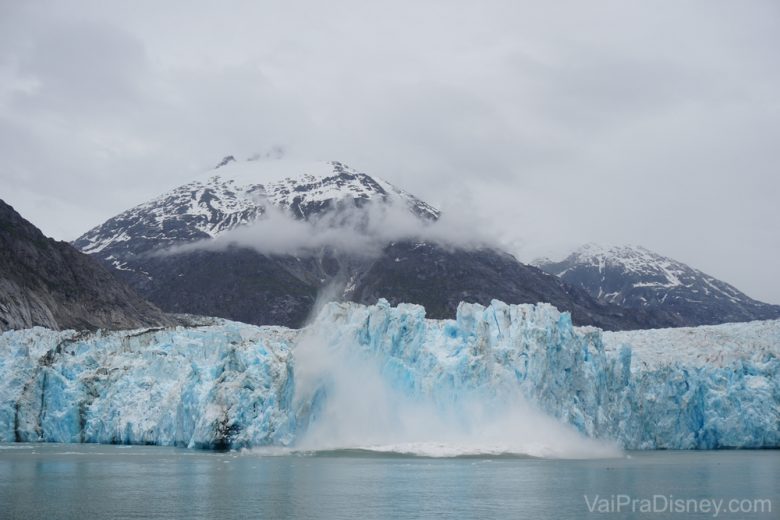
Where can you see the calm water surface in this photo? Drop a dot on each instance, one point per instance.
(55, 481)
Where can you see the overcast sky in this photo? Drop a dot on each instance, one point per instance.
(555, 123)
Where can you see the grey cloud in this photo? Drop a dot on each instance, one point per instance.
(82, 67)
(364, 232)
(554, 123)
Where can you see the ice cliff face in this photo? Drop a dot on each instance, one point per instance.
(694, 388)
(224, 386)
(234, 385)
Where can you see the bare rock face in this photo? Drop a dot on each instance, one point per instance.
(48, 283)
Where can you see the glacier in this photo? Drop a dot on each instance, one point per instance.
(213, 387)
(389, 376)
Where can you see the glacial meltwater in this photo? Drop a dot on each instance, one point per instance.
(71, 481)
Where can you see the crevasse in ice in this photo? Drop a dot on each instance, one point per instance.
(232, 385)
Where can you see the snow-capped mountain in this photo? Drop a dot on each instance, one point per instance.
(635, 277)
(237, 193)
(245, 284)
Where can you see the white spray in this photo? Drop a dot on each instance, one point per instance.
(356, 407)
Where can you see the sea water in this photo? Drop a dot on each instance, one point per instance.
(68, 481)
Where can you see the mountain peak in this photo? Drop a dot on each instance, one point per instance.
(636, 277)
(236, 194)
(593, 249)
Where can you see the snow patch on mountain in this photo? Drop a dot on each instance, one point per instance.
(635, 277)
(632, 259)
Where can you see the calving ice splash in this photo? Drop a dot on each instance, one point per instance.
(497, 379)
(377, 384)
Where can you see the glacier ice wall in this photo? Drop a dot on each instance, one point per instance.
(224, 386)
(689, 388)
(234, 385)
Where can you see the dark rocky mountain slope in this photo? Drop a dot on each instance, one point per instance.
(48, 283)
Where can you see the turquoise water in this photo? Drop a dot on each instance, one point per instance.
(98, 481)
